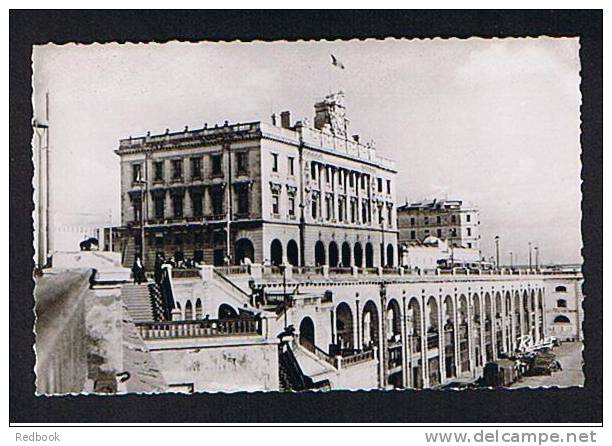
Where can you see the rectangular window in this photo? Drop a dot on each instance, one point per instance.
(275, 204)
(290, 165)
(327, 174)
(158, 168)
(315, 206)
(196, 200)
(454, 232)
(340, 177)
(467, 217)
(469, 232)
(411, 221)
(243, 202)
(340, 209)
(242, 163)
(426, 220)
(275, 162)
(291, 203)
(469, 245)
(379, 184)
(439, 232)
(137, 205)
(390, 216)
(196, 168)
(351, 180)
(313, 170)
(216, 165)
(388, 186)
(217, 202)
(439, 220)
(159, 207)
(177, 170)
(453, 219)
(412, 235)
(363, 182)
(364, 211)
(328, 207)
(353, 211)
(177, 204)
(136, 173)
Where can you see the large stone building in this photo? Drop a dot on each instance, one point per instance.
(281, 193)
(451, 220)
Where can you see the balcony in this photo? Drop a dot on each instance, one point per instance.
(199, 329)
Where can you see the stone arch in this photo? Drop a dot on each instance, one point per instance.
(488, 326)
(244, 249)
(449, 337)
(561, 319)
(464, 339)
(276, 252)
(319, 253)
(478, 321)
(433, 326)
(358, 255)
(370, 324)
(307, 332)
(369, 255)
(346, 254)
(414, 339)
(333, 254)
(394, 320)
(293, 253)
(198, 309)
(344, 326)
(188, 311)
(227, 312)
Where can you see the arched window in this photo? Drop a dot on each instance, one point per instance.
(293, 256)
(244, 250)
(369, 255)
(188, 311)
(319, 253)
(333, 254)
(227, 312)
(358, 254)
(560, 289)
(346, 254)
(198, 309)
(276, 252)
(390, 256)
(307, 332)
(344, 326)
(561, 303)
(561, 319)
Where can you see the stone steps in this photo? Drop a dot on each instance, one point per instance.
(137, 298)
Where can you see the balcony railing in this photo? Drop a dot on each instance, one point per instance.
(319, 353)
(433, 340)
(357, 358)
(199, 329)
(233, 270)
(394, 358)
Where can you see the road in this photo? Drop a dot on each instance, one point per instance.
(569, 354)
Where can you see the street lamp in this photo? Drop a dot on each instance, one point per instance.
(529, 255)
(511, 260)
(497, 251)
(537, 257)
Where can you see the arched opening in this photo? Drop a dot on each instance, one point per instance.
(307, 333)
(358, 255)
(390, 256)
(227, 312)
(414, 341)
(344, 326)
(560, 289)
(477, 330)
(498, 324)
(526, 314)
(346, 255)
(293, 255)
(393, 323)
(276, 252)
(561, 319)
(198, 309)
(188, 311)
(488, 327)
(541, 314)
(449, 337)
(517, 317)
(333, 254)
(464, 340)
(509, 322)
(370, 325)
(433, 340)
(319, 253)
(369, 255)
(243, 250)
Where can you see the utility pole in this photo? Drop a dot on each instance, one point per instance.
(42, 236)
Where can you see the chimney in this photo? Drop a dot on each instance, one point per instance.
(285, 119)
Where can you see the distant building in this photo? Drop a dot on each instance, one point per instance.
(450, 220)
(433, 252)
(281, 193)
(563, 303)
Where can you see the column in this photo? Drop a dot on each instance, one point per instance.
(382, 344)
(358, 327)
(470, 333)
(424, 356)
(405, 344)
(441, 341)
(494, 322)
(332, 319)
(456, 347)
(483, 350)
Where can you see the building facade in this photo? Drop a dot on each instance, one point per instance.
(280, 193)
(450, 220)
(564, 297)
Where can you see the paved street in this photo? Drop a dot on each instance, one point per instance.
(570, 356)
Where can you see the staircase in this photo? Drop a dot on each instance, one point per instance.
(129, 253)
(137, 298)
(290, 374)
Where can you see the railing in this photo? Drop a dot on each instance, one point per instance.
(196, 329)
(180, 273)
(390, 271)
(319, 353)
(357, 358)
(235, 287)
(233, 270)
(340, 270)
(433, 340)
(416, 344)
(369, 270)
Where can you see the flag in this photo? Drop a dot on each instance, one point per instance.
(336, 62)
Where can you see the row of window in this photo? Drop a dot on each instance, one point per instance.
(453, 219)
(177, 200)
(195, 168)
(347, 177)
(347, 210)
(440, 233)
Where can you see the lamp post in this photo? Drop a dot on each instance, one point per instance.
(497, 251)
(537, 257)
(43, 230)
(283, 269)
(511, 260)
(529, 255)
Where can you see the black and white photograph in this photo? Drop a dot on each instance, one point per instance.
(309, 226)
(308, 216)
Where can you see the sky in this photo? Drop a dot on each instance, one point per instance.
(495, 122)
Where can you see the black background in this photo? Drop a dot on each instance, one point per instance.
(518, 406)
